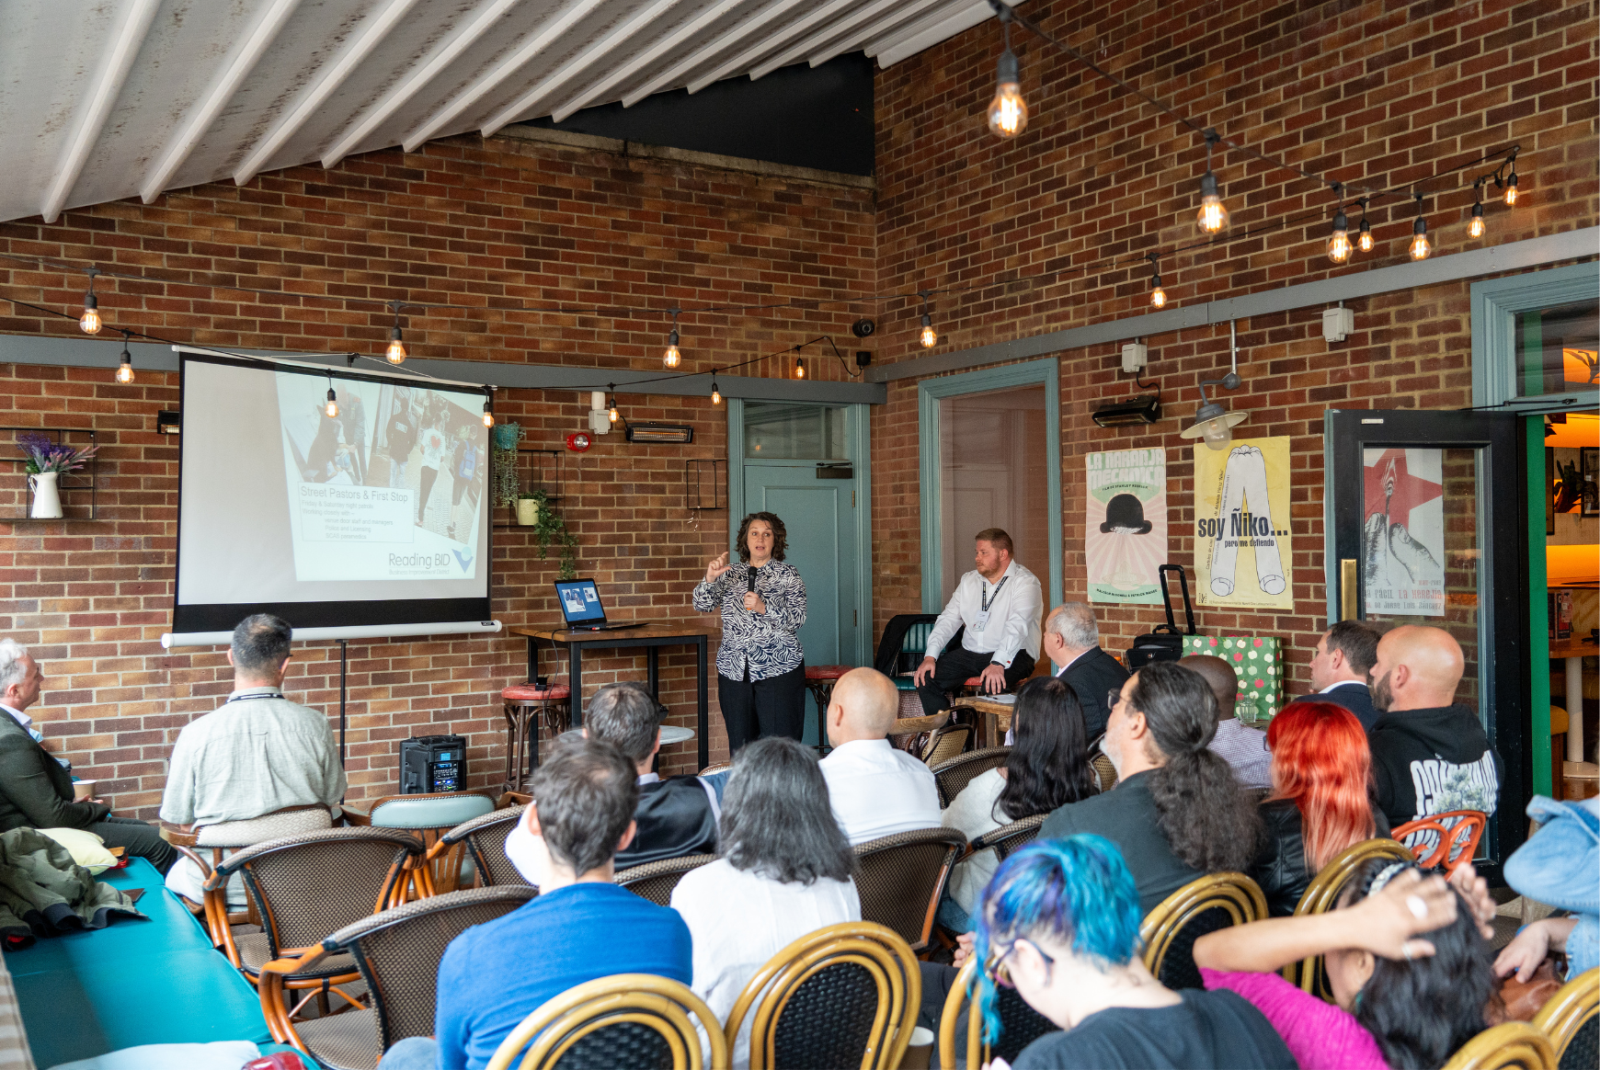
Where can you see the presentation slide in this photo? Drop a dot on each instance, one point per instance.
(376, 514)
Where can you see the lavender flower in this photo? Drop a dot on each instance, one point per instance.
(45, 455)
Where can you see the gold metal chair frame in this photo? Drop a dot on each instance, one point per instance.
(1574, 1004)
(655, 1002)
(1509, 1046)
(877, 948)
(977, 1050)
(1236, 893)
(1322, 895)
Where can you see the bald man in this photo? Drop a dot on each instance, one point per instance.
(875, 790)
(1429, 755)
(1243, 748)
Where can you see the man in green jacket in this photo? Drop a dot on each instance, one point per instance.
(36, 789)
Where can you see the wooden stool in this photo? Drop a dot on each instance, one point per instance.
(819, 681)
(527, 707)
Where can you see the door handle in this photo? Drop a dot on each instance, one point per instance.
(1349, 588)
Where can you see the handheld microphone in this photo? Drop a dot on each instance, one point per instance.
(750, 576)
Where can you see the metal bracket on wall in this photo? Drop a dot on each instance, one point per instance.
(703, 485)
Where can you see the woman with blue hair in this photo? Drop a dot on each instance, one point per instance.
(1060, 923)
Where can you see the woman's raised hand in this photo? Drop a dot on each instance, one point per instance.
(717, 567)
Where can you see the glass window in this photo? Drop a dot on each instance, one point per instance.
(1558, 349)
(807, 432)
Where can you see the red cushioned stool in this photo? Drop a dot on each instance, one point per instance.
(528, 706)
(819, 681)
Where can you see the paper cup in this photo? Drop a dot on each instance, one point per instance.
(83, 789)
(919, 1053)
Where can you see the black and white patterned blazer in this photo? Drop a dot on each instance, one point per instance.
(770, 641)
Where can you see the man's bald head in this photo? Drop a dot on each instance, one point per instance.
(1219, 676)
(1418, 668)
(864, 705)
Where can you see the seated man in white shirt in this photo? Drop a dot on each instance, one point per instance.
(875, 790)
(999, 604)
(256, 754)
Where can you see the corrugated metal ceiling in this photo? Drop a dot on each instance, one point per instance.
(115, 98)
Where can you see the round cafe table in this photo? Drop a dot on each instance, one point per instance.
(670, 734)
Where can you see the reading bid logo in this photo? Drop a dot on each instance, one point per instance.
(427, 562)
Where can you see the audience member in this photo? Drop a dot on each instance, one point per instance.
(784, 872)
(36, 788)
(1399, 1001)
(676, 816)
(1060, 923)
(1048, 767)
(1072, 642)
(1341, 667)
(875, 790)
(580, 927)
(1319, 804)
(1242, 747)
(997, 607)
(256, 754)
(1176, 811)
(1557, 867)
(1428, 756)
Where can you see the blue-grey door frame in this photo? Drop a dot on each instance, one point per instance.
(929, 393)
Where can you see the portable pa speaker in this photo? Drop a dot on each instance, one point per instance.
(432, 763)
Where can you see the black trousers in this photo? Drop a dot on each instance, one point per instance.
(755, 708)
(142, 839)
(955, 666)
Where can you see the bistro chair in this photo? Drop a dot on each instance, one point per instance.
(1508, 1046)
(902, 876)
(430, 815)
(529, 707)
(655, 880)
(946, 743)
(954, 774)
(397, 952)
(633, 1020)
(1448, 839)
(1105, 774)
(1007, 838)
(1322, 895)
(844, 996)
(1020, 1024)
(716, 767)
(484, 838)
(1202, 906)
(220, 839)
(1571, 1019)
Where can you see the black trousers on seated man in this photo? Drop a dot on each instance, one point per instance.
(957, 665)
(142, 839)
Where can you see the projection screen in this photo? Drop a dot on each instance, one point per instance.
(374, 521)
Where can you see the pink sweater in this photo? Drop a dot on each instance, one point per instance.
(1319, 1035)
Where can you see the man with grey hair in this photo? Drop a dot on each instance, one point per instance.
(1072, 641)
(676, 816)
(255, 754)
(36, 789)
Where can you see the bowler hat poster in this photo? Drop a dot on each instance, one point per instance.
(1125, 524)
(1242, 553)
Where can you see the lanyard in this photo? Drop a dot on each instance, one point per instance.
(989, 600)
(247, 698)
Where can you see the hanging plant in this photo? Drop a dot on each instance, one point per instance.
(551, 527)
(506, 485)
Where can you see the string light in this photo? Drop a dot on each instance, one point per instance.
(125, 369)
(332, 407)
(1158, 296)
(1420, 246)
(488, 414)
(799, 367)
(929, 337)
(1213, 214)
(611, 405)
(1339, 247)
(396, 353)
(1511, 184)
(716, 395)
(1365, 240)
(672, 358)
(90, 320)
(1008, 112)
(1475, 226)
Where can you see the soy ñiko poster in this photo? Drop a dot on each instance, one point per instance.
(1242, 553)
(1125, 524)
(1402, 531)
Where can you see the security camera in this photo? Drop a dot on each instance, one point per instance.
(862, 327)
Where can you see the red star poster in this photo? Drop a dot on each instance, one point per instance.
(1402, 532)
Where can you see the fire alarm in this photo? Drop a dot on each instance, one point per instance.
(578, 442)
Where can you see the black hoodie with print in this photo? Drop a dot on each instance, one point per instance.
(1432, 760)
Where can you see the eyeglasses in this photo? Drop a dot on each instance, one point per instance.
(995, 965)
(1113, 697)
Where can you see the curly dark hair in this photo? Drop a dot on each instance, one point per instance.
(1421, 1011)
(1048, 766)
(1206, 817)
(780, 535)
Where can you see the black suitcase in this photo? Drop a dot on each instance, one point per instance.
(1165, 642)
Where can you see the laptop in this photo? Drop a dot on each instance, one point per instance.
(582, 609)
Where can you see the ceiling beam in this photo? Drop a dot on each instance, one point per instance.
(898, 17)
(927, 33)
(766, 47)
(669, 78)
(374, 33)
(243, 62)
(114, 74)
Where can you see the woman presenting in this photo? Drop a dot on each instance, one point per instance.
(761, 671)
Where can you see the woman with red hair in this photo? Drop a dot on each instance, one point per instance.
(1320, 802)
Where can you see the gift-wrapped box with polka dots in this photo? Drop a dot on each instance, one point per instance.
(1256, 659)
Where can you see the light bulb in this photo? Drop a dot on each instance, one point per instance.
(488, 417)
(1420, 247)
(1158, 297)
(716, 395)
(1216, 433)
(396, 353)
(1339, 247)
(1475, 227)
(90, 320)
(1213, 214)
(672, 358)
(1008, 112)
(125, 369)
(799, 368)
(1511, 189)
(332, 407)
(1365, 240)
(613, 413)
(929, 337)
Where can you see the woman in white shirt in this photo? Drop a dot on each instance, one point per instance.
(1048, 767)
(784, 871)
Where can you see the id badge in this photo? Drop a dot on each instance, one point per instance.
(982, 623)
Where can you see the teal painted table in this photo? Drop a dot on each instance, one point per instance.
(134, 982)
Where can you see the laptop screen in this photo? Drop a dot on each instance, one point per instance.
(580, 602)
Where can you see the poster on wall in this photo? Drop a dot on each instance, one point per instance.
(1242, 551)
(1125, 524)
(1402, 531)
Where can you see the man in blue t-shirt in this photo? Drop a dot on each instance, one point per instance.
(581, 926)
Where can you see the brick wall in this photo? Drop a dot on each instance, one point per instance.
(1379, 94)
(463, 222)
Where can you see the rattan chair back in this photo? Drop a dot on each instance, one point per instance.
(945, 743)
(902, 876)
(1020, 1024)
(485, 839)
(1322, 895)
(1571, 1019)
(1008, 838)
(1447, 839)
(844, 996)
(1202, 906)
(655, 880)
(633, 1020)
(1509, 1046)
(954, 774)
(431, 815)
(1105, 774)
(716, 767)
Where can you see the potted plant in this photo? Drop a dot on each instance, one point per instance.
(506, 487)
(550, 527)
(527, 509)
(46, 461)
